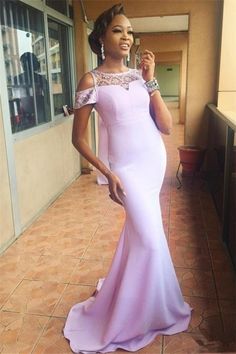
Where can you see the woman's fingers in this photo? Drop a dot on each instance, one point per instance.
(116, 189)
(115, 197)
(148, 58)
(148, 53)
(120, 188)
(148, 65)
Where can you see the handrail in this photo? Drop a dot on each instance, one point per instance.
(222, 115)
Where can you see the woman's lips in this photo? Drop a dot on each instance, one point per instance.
(124, 46)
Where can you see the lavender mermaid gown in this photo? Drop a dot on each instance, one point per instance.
(140, 297)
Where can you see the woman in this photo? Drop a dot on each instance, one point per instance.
(140, 298)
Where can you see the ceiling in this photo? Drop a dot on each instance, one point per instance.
(160, 24)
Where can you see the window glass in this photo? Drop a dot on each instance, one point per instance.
(59, 5)
(59, 65)
(25, 62)
(71, 14)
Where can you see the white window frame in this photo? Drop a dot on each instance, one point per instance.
(47, 12)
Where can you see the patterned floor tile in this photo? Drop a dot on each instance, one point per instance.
(180, 344)
(205, 319)
(228, 310)
(213, 231)
(53, 268)
(15, 266)
(19, 332)
(221, 260)
(67, 246)
(64, 226)
(52, 340)
(29, 245)
(190, 343)
(154, 348)
(178, 226)
(35, 297)
(7, 286)
(115, 224)
(72, 295)
(108, 233)
(100, 249)
(190, 257)
(196, 282)
(188, 239)
(81, 230)
(226, 285)
(88, 272)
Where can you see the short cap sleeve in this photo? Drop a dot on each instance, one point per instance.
(83, 97)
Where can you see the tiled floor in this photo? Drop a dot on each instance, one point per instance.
(58, 260)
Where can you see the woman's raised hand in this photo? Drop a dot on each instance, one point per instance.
(148, 65)
(115, 188)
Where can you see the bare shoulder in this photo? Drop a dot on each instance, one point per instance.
(85, 82)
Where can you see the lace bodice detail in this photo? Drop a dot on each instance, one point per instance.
(89, 96)
(121, 79)
(84, 97)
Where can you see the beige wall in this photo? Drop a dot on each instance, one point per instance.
(45, 164)
(227, 78)
(6, 220)
(203, 50)
(167, 47)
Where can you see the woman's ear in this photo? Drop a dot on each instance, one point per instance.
(101, 40)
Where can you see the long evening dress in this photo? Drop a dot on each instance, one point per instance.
(140, 297)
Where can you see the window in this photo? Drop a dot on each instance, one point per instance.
(24, 48)
(59, 5)
(28, 64)
(63, 6)
(59, 63)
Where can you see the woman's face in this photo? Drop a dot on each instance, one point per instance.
(118, 38)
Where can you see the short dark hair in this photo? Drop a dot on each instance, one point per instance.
(30, 59)
(100, 26)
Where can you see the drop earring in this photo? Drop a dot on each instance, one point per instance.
(102, 52)
(128, 57)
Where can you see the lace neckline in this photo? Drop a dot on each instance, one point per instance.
(118, 79)
(106, 73)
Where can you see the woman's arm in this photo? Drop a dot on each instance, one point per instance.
(160, 112)
(158, 108)
(81, 118)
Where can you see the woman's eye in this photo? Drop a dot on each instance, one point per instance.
(117, 30)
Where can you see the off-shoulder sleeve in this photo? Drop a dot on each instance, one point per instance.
(83, 97)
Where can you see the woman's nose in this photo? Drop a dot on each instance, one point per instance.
(125, 35)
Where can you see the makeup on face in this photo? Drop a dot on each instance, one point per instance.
(119, 37)
(124, 30)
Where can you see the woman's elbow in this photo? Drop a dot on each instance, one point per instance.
(76, 142)
(166, 130)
